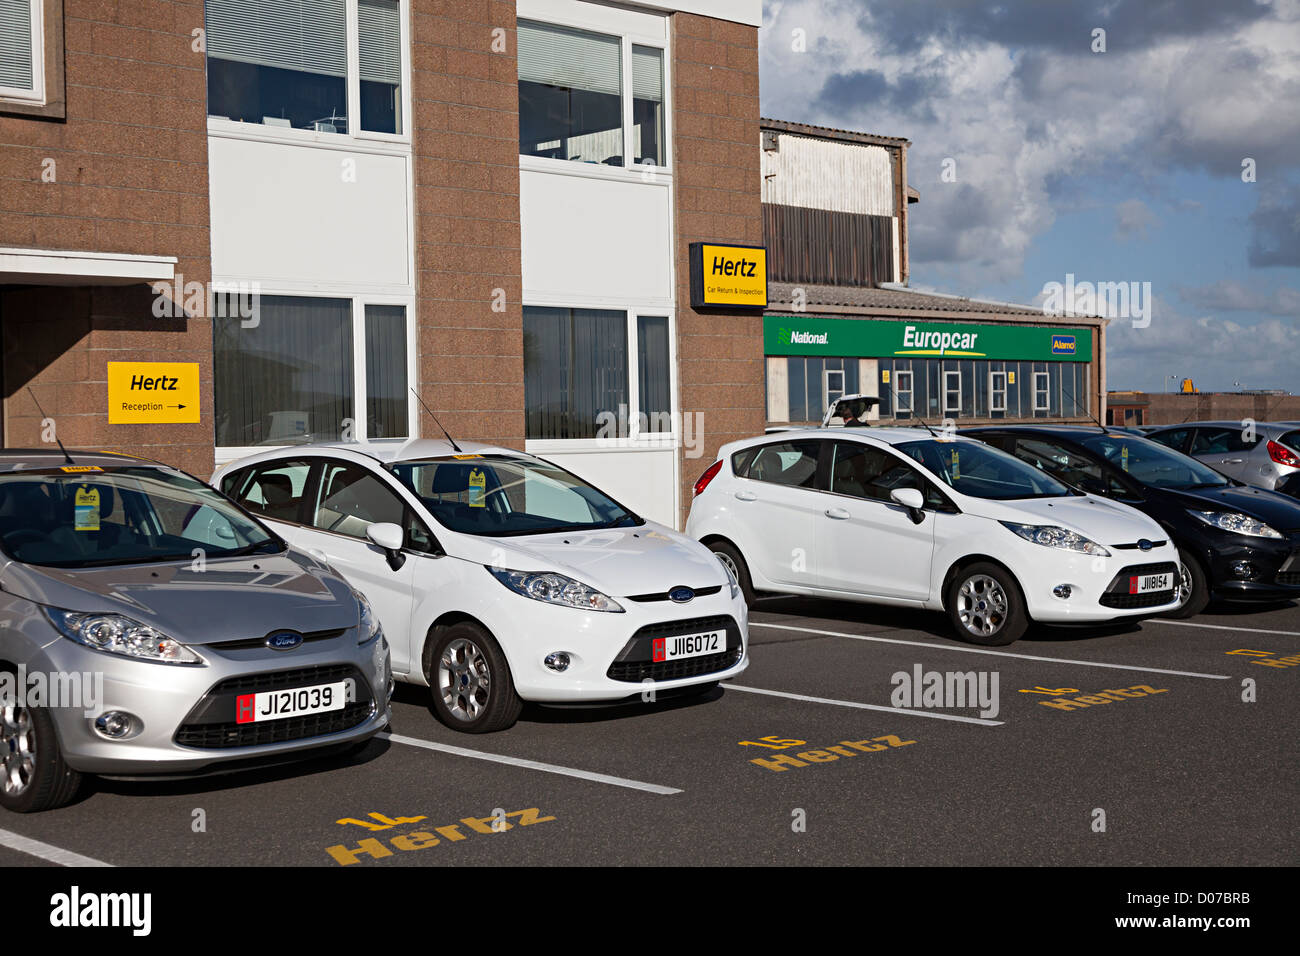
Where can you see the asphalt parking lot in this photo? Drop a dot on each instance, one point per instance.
(1173, 767)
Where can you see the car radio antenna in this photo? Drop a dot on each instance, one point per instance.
(909, 410)
(451, 440)
(66, 456)
(1105, 429)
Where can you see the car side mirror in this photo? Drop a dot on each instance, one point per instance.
(389, 537)
(911, 499)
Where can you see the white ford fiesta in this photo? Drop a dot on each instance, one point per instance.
(910, 517)
(499, 577)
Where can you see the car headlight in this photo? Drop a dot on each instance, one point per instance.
(1052, 536)
(552, 588)
(1236, 522)
(120, 635)
(368, 628)
(731, 578)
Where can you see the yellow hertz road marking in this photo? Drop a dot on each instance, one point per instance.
(1283, 662)
(1107, 696)
(845, 748)
(423, 839)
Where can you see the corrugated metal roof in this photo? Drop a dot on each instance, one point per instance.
(827, 132)
(868, 300)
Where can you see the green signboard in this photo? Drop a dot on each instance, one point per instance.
(877, 338)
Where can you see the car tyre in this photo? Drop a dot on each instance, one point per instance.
(473, 690)
(730, 556)
(1192, 581)
(985, 605)
(33, 774)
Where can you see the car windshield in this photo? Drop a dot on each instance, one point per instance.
(980, 471)
(1152, 463)
(504, 495)
(105, 516)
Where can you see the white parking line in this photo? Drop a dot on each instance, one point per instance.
(981, 650)
(1220, 627)
(54, 854)
(853, 703)
(529, 764)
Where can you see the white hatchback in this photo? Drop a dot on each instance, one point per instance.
(908, 517)
(499, 577)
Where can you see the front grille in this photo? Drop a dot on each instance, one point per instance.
(255, 642)
(635, 663)
(210, 724)
(1117, 595)
(663, 595)
(1133, 545)
(1289, 578)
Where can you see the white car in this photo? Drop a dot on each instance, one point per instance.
(499, 577)
(914, 518)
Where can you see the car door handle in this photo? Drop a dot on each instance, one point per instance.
(838, 514)
(1232, 461)
(746, 496)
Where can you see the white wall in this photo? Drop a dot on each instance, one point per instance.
(644, 480)
(840, 177)
(589, 240)
(309, 214)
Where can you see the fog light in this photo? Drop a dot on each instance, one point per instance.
(557, 661)
(1063, 591)
(114, 725)
(1245, 570)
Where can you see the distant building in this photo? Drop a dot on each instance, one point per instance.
(1156, 408)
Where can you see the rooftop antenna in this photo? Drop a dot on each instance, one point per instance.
(436, 422)
(66, 456)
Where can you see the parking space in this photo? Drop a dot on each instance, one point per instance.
(1136, 745)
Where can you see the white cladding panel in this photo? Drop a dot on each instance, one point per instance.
(841, 177)
(599, 242)
(645, 481)
(307, 214)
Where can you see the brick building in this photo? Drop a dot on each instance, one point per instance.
(491, 202)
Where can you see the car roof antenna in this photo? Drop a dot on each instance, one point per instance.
(1105, 429)
(66, 456)
(451, 440)
(909, 411)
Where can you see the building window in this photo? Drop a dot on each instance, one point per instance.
(291, 377)
(284, 63)
(813, 383)
(578, 368)
(1042, 392)
(571, 97)
(22, 48)
(998, 391)
(903, 393)
(952, 393)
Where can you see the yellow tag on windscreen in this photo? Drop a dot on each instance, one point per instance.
(86, 509)
(1123, 457)
(477, 489)
(956, 465)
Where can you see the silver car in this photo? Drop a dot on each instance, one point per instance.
(150, 627)
(1262, 454)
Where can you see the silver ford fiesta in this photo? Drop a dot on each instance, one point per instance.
(149, 627)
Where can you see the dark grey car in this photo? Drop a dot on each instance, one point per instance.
(149, 626)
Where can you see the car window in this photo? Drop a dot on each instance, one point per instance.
(351, 499)
(1153, 464)
(1060, 461)
(273, 490)
(1220, 441)
(1175, 439)
(792, 463)
(981, 471)
(864, 471)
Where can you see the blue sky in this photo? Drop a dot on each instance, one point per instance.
(1122, 165)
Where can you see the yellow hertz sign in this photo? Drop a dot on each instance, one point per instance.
(728, 276)
(153, 393)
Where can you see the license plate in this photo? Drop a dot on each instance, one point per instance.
(1142, 583)
(689, 645)
(278, 704)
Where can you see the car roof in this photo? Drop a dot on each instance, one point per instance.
(1064, 431)
(1228, 423)
(889, 435)
(383, 450)
(30, 459)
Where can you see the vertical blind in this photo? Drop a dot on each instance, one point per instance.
(573, 59)
(652, 371)
(575, 367)
(305, 35)
(16, 44)
(387, 400)
(380, 41)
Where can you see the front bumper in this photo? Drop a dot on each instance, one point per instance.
(1099, 587)
(1255, 569)
(186, 713)
(612, 655)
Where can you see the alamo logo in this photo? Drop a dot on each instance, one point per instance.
(1063, 345)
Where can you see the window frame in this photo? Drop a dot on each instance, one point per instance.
(620, 24)
(635, 440)
(1045, 391)
(948, 390)
(359, 301)
(47, 97)
(909, 412)
(354, 134)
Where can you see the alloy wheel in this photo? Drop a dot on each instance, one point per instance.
(464, 679)
(17, 749)
(983, 605)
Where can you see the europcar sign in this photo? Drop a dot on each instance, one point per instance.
(728, 276)
(881, 338)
